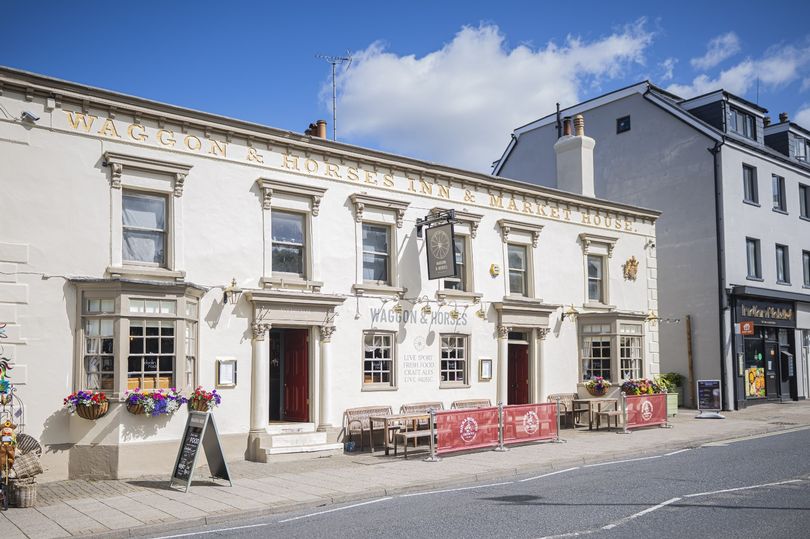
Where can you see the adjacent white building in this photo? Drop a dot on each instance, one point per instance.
(734, 235)
(147, 245)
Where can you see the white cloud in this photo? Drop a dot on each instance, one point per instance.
(803, 116)
(458, 104)
(777, 67)
(719, 48)
(668, 68)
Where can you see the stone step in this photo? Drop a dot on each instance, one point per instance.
(289, 428)
(298, 439)
(317, 450)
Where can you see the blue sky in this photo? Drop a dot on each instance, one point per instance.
(444, 81)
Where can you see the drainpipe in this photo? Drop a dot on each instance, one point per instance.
(721, 272)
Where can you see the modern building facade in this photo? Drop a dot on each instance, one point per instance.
(146, 245)
(734, 236)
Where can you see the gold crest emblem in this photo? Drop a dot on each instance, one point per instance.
(631, 269)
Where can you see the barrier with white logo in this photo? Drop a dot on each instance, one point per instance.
(530, 423)
(459, 430)
(644, 411)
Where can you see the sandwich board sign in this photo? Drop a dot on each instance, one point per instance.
(710, 400)
(201, 430)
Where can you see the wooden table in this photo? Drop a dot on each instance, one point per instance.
(589, 404)
(393, 423)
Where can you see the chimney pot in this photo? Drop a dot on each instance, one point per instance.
(322, 128)
(579, 125)
(767, 121)
(567, 127)
(783, 117)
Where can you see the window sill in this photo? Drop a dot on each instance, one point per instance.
(599, 306)
(804, 217)
(784, 283)
(290, 282)
(752, 203)
(454, 386)
(362, 289)
(146, 271)
(757, 279)
(372, 387)
(783, 212)
(463, 295)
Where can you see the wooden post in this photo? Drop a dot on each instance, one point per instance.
(690, 359)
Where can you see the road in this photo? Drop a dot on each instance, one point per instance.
(757, 487)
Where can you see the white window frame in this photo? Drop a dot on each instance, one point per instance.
(135, 174)
(520, 234)
(599, 279)
(587, 340)
(454, 339)
(392, 360)
(526, 274)
(464, 279)
(631, 351)
(610, 329)
(378, 211)
(597, 245)
(305, 246)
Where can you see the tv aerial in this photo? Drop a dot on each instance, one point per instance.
(334, 61)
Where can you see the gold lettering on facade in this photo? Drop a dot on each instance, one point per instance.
(597, 219)
(369, 177)
(289, 161)
(77, 118)
(527, 206)
(217, 148)
(169, 139)
(555, 213)
(567, 214)
(586, 218)
(254, 155)
(108, 129)
(512, 206)
(388, 180)
(411, 184)
(192, 143)
(495, 201)
(426, 187)
(628, 225)
(352, 174)
(468, 196)
(332, 171)
(141, 136)
(311, 165)
(444, 191)
(541, 209)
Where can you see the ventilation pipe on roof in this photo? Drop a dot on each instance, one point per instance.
(575, 158)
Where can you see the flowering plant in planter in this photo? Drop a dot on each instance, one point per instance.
(597, 386)
(642, 386)
(87, 404)
(154, 403)
(203, 401)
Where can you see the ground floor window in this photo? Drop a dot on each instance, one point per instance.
(612, 349)
(454, 359)
(378, 358)
(151, 354)
(630, 351)
(99, 358)
(596, 354)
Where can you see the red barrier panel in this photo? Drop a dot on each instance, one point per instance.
(646, 410)
(458, 430)
(529, 422)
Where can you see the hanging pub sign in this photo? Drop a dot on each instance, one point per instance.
(441, 254)
(200, 431)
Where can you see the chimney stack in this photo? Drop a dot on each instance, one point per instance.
(783, 117)
(575, 158)
(317, 129)
(767, 120)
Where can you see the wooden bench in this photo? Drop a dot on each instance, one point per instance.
(406, 435)
(471, 403)
(607, 414)
(566, 406)
(357, 421)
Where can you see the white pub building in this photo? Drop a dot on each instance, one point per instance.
(143, 245)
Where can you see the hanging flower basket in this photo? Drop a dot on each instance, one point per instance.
(597, 386)
(154, 403)
(204, 401)
(87, 404)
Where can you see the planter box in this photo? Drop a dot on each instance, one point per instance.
(672, 404)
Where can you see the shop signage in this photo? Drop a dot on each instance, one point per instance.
(745, 328)
(441, 255)
(418, 316)
(767, 313)
(200, 430)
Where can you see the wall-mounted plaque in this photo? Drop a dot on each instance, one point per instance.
(226, 373)
(485, 370)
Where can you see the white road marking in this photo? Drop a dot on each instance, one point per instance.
(763, 485)
(455, 489)
(216, 531)
(548, 474)
(676, 452)
(333, 510)
(621, 461)
(640, 513)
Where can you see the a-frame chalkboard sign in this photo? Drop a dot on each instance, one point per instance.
(200, 430)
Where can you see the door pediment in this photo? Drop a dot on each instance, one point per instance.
(293, 308)
(524, 312)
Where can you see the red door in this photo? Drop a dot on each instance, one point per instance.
(296, 375)
(518, 374)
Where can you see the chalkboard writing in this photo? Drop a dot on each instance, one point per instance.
(709, 395)
(201, 430)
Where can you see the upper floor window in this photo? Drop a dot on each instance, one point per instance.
(742, 123)
(753, 258)
(799, 147)
(376, 253)
(144, 228)
(622, 124)
(518, 269)
(782, 264)
(289, 243)
(779, 201)
(460, 282)
(806, 267)
(596, 278)
(750, 191)
(804, 201)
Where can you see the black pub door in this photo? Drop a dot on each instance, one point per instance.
(772, 384)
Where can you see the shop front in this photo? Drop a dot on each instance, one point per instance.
(765, 350)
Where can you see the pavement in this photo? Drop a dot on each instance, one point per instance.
(143, 506)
